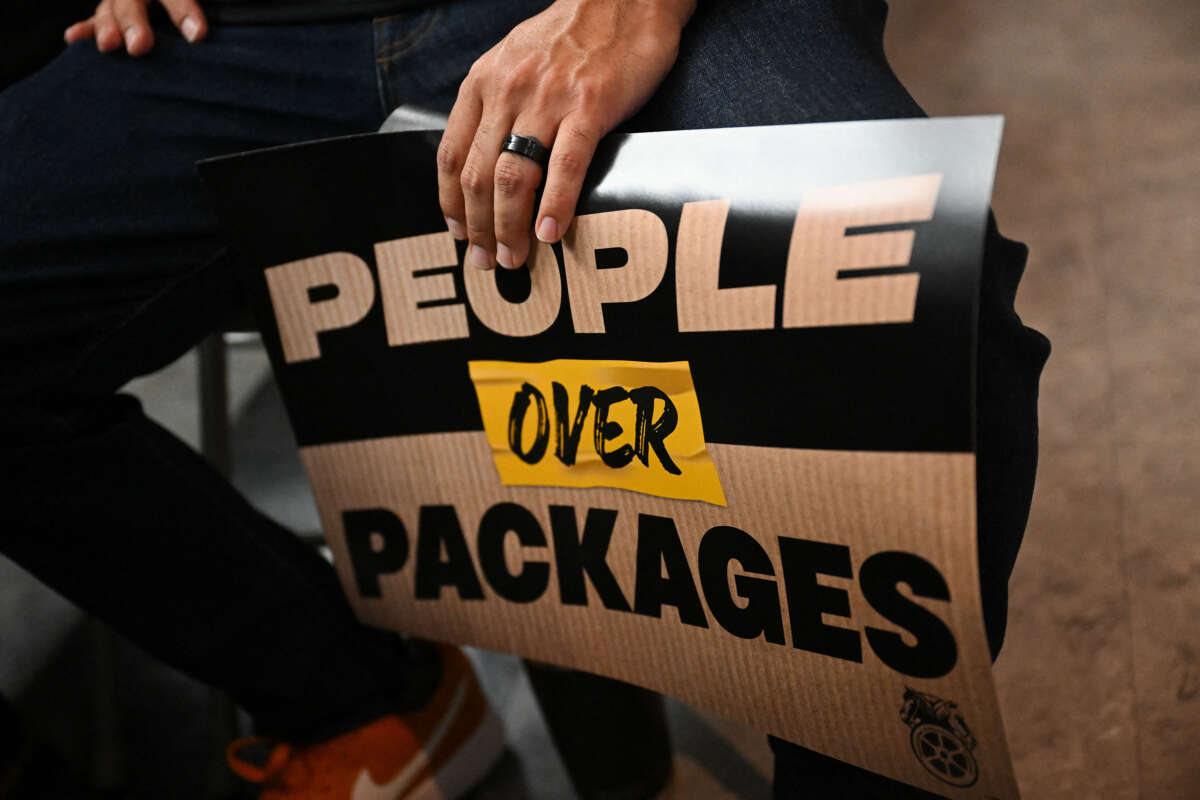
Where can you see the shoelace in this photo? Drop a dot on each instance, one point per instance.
(257, 759)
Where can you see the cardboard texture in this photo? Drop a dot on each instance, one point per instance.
(718, 443)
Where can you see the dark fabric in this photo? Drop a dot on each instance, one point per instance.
(32, 34)
(258, 12)
(111, 267)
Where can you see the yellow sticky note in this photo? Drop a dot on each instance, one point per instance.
(627, 424)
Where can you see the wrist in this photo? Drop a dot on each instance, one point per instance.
(657, 14)
(677, 12)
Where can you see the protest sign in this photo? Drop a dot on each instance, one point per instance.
(718, 443)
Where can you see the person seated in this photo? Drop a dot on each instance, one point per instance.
(112, 266)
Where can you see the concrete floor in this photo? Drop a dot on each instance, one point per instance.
(1100, 677)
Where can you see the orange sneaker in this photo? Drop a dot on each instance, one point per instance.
(438, 752)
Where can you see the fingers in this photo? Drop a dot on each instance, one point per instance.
(108, 33)
(134, 25)
(188, 18)
(125, 22)
(84, 29)
(452, 155)
(517, 179)
(494, 192)
(476, 179)
(573, 150)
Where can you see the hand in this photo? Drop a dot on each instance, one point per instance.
(117, 22)
(567, 76)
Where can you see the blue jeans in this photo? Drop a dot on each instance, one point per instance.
(111, 266)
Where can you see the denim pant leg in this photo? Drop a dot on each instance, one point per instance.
(110, 267)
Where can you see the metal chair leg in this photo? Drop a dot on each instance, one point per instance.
(215, 435)
(213, 379)
(107, 770)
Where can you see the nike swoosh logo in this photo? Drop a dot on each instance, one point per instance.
(365, 787)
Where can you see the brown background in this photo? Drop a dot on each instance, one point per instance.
(1099, 681)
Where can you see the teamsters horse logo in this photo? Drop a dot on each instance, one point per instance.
(940, 738)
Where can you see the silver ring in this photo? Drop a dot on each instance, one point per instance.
(527, 146)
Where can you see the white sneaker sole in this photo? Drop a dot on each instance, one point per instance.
(469, 765)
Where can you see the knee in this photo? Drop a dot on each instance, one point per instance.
(42, 132)
(43, 422)
(772, 62)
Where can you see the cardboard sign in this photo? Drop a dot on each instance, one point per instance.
(718, 443)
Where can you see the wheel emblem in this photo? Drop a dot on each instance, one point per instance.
(940, 738)
(943, 754)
